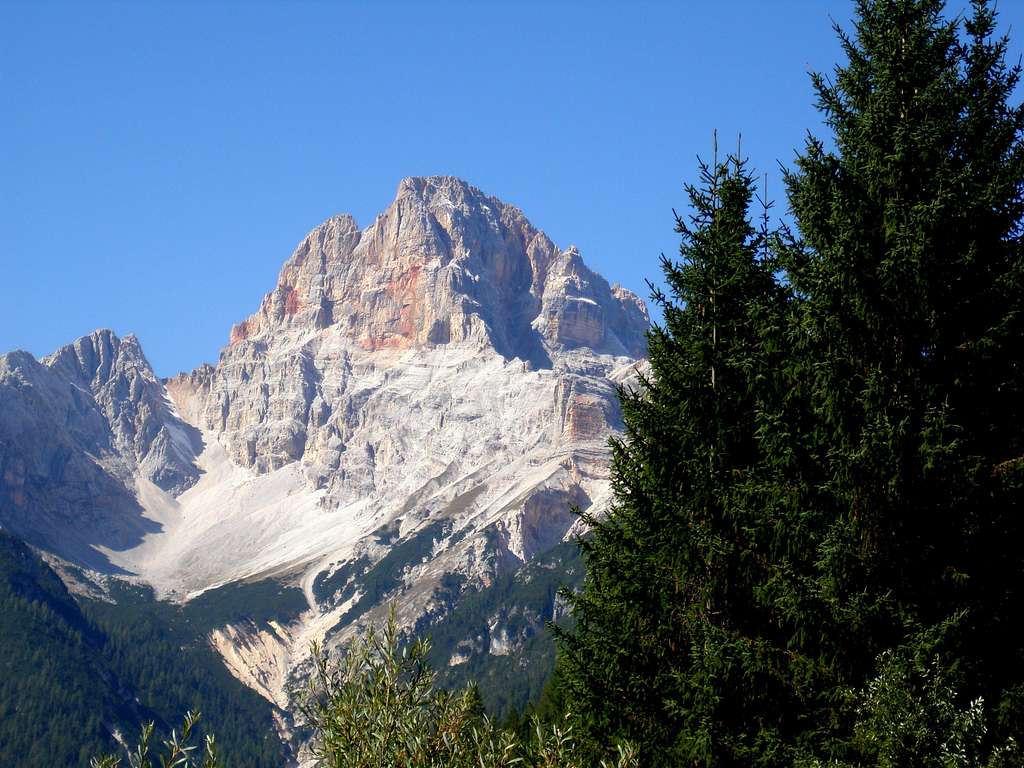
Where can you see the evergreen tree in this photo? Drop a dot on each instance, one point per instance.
(670, 648)
(820, 473)
(908, 334)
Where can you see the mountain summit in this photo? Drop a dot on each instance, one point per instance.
(410, 415)
(446, 263)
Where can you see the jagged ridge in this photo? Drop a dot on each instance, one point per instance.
(446, 263)
(76, 431)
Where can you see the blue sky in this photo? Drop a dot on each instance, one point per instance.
(160, 161)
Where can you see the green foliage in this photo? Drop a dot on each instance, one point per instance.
(906, 380)
(74, 670)
(911, 715)
(520, 604)
(378, 706)
(257, 601)
(178, 751)
(340, 585)
(55, 690)
(162, 651)
(382, 578)
(677, 646)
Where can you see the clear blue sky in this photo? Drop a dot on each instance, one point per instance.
(159, 161)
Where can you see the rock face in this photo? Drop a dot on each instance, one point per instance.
(446, 263)
(77, 430)
(415, 405)
(444, 267)
(146, 431)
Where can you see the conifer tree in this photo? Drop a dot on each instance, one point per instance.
(908, 340)
(819, 474)
(669, 649)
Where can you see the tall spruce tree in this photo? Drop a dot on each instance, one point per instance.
(908, 338)
(821, 474)
(669, 650)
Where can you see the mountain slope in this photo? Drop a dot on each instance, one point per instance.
(78, 431)
(52, 680)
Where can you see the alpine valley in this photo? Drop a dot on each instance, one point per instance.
(411, 417)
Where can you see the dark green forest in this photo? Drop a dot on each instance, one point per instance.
(75, 670)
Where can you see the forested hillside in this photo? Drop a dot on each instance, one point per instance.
(498, 636)
(75, 672)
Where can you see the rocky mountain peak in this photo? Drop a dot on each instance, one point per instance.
(78, 430)
(451, 189)
(447, 264)
(144, 429)
(93, 360)
(416, 404)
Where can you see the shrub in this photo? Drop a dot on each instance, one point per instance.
(178, 751)
(378, 705)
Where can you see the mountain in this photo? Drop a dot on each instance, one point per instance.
(408, 417)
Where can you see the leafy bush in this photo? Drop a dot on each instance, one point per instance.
(178, 752)
(378, 705)
(913, 714)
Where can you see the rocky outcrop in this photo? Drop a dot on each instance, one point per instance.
(446, 263)
(146, 432)
(447, 374)
(189, 391)
(62, 482)
(78, 429)
(256, 656)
